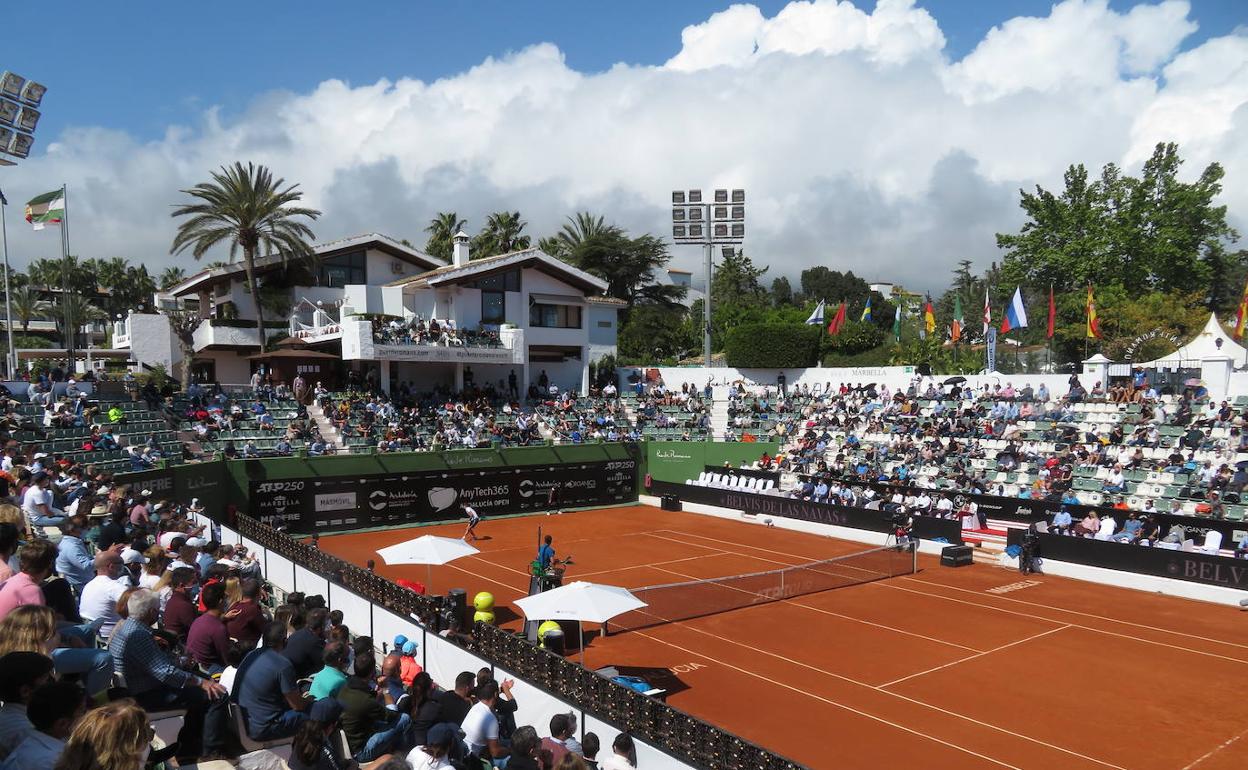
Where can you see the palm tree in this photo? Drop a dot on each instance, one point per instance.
(502, 234)
(442, 229)
(112, 272)
(247, 208)
(582, 228)
(71, 312)
(27, 304)
(45, 273)
(171, 276)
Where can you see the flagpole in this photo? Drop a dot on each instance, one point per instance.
(11, 357)
(69, 329)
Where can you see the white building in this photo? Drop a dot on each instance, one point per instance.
(525, 312)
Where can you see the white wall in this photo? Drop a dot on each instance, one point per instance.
(567, 375)
(602, 340)
(151, 341)
(231, 368)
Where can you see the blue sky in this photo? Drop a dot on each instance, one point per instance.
(891, 139)
(162, 62)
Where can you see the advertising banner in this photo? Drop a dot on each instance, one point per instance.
(1161, 562)
(925, 527)
(337, 503)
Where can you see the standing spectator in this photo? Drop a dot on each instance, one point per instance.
(268, 691)
(207, 642)
(53, 710)
(35, 560)
(73, 560)
(21, 673)
(99, 597)
(113, 737)
(156, 683)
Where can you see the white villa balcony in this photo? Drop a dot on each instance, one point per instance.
(219, 333)
(312, 322)
(360, 342)
(121, 333)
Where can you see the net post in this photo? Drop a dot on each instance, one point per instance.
(914, 557)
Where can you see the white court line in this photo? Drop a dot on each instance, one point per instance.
(877, 688)
(834, 614)
(830, 702)
(642, 566)
(894, 586)
(1089, 615)
(1215, 750)
(978, 655)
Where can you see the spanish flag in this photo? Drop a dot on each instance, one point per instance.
(1241, 318)
(929, 315)
(1094, 326)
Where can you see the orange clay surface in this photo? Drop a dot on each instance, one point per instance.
(922, 671)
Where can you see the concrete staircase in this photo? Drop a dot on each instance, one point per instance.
(327, 429)
(719, 415)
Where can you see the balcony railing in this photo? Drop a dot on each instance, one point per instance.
(377, 340)
(229, 333)
(321, 327)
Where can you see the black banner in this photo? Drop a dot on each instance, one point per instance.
(748, 473)
(925, 527)
(1193, 567)
(1028, 511)
(319, 504)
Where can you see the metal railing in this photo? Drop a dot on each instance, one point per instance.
(667, 728)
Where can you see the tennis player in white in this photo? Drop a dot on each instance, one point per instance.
(474, 519)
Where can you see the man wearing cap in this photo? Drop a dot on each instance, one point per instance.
(73, 560)
(37, 503)
(99, 597)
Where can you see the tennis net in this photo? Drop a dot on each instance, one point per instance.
(697, 598)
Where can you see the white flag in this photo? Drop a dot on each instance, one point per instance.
(817, 316)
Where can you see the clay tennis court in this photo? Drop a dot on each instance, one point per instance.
(947, 668)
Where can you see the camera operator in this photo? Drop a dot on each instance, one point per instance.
(1030, 549)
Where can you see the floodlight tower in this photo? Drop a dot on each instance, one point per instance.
(720, 222)
(19, 99)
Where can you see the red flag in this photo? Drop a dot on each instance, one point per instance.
(838, 320)
(1052, 313)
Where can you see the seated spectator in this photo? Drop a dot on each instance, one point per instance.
(330, 679)
(245, 620)
(313, 748)
(53, 711)
(525, 750)
(433, 750)
(624, 754)
(408, 667)
(115, 736)
(305, 648)
(268, 691)
(561, 740)
(371, 729)
(32, 628)
(21, 673)
(157, 683)
(35, 561)
(180, 609)
(207, 643)
(73, 560)
(99, 597)
(589, 748)
(37, 503)
(481, 725)
(454, 704)
(424, 707)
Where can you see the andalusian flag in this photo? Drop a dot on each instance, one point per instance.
(929, 315)
(1094, 326)
(866, 311)
(955, 329)
(897, 321)
(46, 209)
(1241, 318)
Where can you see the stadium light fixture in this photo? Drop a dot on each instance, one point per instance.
(719, 221)
(11, 85)
(27, 119)
(32, 93)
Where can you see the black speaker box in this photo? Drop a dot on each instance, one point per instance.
(956, 556)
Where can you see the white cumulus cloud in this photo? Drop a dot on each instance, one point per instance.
(861, 144)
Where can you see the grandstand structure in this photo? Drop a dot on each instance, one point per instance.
(390, 314)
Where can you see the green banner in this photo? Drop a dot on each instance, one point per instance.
(679, 461)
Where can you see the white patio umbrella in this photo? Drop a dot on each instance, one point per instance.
(427, 550)
(580, 601)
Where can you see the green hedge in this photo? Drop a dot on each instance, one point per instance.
(773, 346)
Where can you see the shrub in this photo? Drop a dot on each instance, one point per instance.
(855, 337)
(773, 346)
